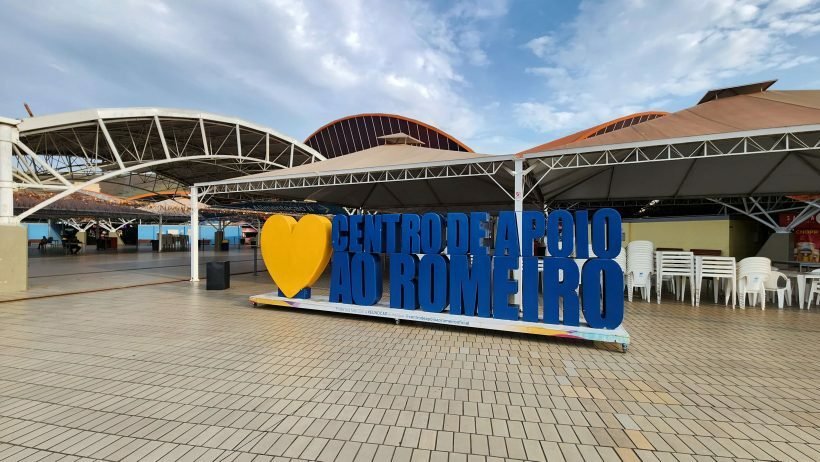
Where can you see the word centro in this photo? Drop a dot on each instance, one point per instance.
(436, 263)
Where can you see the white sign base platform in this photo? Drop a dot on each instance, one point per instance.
(321, 303)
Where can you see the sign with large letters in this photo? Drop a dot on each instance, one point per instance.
(466, 269)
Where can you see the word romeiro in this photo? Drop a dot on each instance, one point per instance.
(451, 264)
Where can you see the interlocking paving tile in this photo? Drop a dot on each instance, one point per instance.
(172, 372)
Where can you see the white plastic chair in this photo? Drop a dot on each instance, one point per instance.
(719, 269)
(677, 265)
(621, 260)
(640, 267)
(753, 272)
(773, 285)
(814, 291)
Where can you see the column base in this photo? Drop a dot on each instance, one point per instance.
(13, 258)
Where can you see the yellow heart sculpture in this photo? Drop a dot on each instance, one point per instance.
(296, 253)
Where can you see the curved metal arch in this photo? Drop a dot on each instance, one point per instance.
(348, 136)
(87, 147)
(51, 122)
(78, 186)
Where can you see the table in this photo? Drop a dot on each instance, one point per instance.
(799, 264)
(801, 284)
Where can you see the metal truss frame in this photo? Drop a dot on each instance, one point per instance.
(788, 139)
(764, 210)
(756, 142)
(107, 224)
(74, 154)
(67, 191)
(383, 175)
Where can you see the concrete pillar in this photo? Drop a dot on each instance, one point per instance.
(779, 247)
(7, 135)
(13, 236)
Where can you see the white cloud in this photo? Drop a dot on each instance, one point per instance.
(619, 57)
(540, 46)
(311, 60)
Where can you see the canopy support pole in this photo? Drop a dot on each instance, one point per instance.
(518, 201)
(159, 235)
(194, 244)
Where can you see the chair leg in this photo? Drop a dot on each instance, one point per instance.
(692, 289)
(659, 284)
(734, 293)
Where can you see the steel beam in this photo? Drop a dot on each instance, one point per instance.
(111, 146)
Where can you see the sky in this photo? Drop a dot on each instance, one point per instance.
(499, 75)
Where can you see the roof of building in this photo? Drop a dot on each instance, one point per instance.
(744, 112)
(362, 131)
(377, 157)
(746, 89)
(81, 204)
(600, 129)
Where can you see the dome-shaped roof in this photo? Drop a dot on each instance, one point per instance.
(364, 131)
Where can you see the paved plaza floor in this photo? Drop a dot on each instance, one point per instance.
(174, 372)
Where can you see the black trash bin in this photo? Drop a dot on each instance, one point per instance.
(218, 274)
(155, 245)
(224, 246)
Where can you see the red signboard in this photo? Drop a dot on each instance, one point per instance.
(806, 237)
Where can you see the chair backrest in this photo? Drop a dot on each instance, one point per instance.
(757, 262)
(639, 256)
(621, 259)
(708, 266)
(750, 265)
(675, 263)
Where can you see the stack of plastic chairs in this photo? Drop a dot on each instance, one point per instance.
(717, 268)
(621, 260)
(676, 265)
(752, 274)
(639, 267)
(782, 289)
(814, 291)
